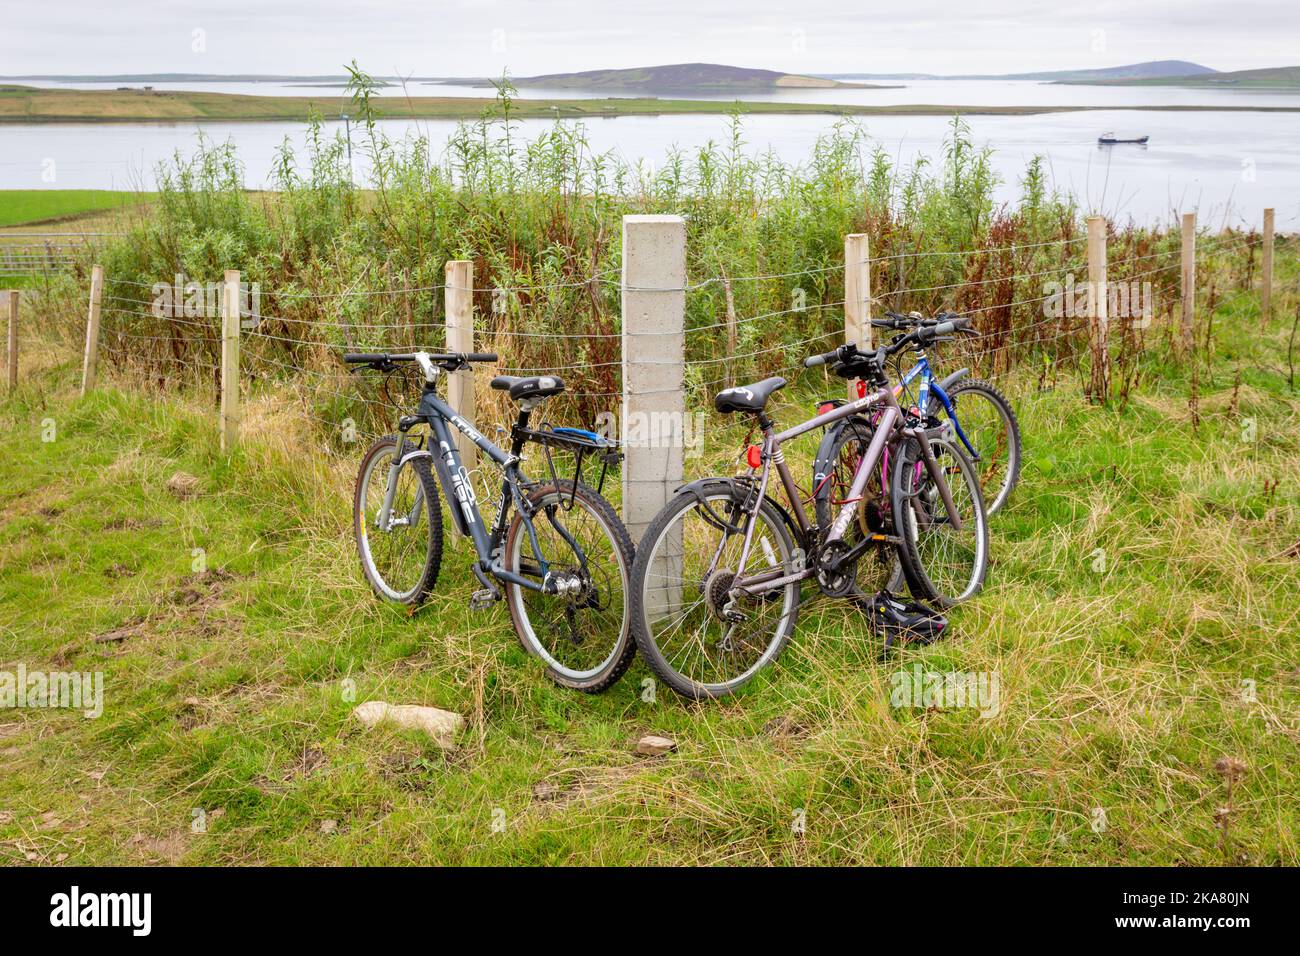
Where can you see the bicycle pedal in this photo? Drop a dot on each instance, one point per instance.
(483, 598)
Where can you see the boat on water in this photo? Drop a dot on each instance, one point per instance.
(1110, 139)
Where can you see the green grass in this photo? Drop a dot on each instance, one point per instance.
(26, 206)
(1271, 78)
(229, 693)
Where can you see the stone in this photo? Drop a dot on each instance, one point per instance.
(652, 746)
(441, 725)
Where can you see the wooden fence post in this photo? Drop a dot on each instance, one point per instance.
(92, 330)
(230, 321)
(1189, 282)
(1266, 273)
(459, 297)
(13, 339)
(1098, 315)
(730, 375)
(654, 365)
(857, 295)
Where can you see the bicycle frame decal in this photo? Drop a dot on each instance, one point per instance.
(456, 485)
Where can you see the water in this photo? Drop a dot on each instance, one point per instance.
(945, 92)
(1226, 165)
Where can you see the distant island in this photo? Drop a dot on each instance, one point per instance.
(27, 104)
(1150, 69)
(673, 78)
(1274, 78)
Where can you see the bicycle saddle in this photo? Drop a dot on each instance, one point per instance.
(747, 398)
(532, 386)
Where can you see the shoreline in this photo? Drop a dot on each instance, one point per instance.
(32, 106)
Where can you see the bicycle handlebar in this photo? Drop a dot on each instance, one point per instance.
(438, 358)
(813, 361)
(921, 334)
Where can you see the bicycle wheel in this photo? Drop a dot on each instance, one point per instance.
(583, 633)
(401, 561)
(990, 426)
(692, 636)
(878, 569)
(941, 564)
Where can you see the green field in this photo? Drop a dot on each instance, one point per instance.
(1273, 78)
(20, 104)
(235, 636)
(28, 206)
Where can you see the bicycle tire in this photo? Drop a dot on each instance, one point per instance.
(415, 595)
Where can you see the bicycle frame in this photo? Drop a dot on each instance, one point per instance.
(773, 454)
(459, 490)
(930, 383)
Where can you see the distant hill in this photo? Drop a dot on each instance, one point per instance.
(699, 77)
(1274, 78)
(1149, 69)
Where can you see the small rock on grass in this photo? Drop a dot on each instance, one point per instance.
(441, 725)
(652, 746)
(328, 826)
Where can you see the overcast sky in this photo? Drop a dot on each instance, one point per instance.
(481, 37)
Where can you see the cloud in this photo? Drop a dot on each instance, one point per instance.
(474, 37)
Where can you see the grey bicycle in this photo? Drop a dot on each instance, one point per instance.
(556, 552)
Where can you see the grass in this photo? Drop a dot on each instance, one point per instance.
(20, 104)
(1271, 78)
(228, 690)
(42, 206)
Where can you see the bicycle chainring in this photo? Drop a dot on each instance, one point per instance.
(835, 578)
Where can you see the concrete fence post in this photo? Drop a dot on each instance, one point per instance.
(230, 322)
(12, 296)
(459, 297)
(1098, 314)
(857, 296)
(654, 364)
(92, 330)
(1189, 281)
(1266, 272)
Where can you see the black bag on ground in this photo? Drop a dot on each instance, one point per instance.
(898, 620)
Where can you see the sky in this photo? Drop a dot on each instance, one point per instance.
(527, 37)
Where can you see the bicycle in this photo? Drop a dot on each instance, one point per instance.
(987, 429)
(563, 559)
(707, 623)
(987, 426)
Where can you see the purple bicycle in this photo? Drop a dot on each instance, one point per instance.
(717, 581)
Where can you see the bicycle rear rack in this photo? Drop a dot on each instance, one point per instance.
(581, 443)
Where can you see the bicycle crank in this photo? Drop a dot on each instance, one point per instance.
(835, 576)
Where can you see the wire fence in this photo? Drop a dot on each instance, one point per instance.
(1028, 301)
